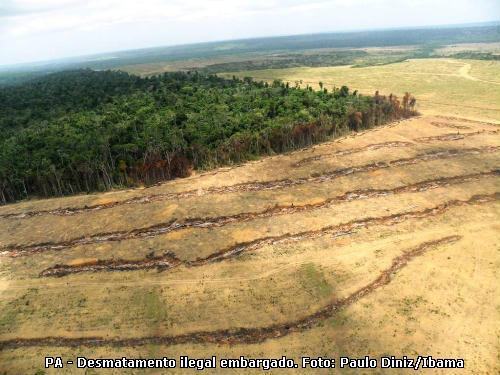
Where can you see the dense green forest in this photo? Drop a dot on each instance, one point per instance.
(288, 60)
(476, 55)
(84, 130)
(318, 58)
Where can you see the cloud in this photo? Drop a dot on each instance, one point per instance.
(41, 29)
(28, 17)
(16, 8)
(100, 12)
(23, 18)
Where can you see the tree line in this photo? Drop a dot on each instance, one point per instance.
(82, 131)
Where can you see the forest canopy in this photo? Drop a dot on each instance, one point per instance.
(83, 130)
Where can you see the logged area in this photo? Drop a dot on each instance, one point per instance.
(383, 241)
(326, 202)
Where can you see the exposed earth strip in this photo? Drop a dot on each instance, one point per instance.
(163, 228)
(169, 261)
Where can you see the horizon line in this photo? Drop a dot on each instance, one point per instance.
(68, 59)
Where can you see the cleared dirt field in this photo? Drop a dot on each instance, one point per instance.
(464, 88)
(385, 242)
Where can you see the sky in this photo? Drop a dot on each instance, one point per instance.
(37, 30)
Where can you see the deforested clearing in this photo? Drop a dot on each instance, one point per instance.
(384, 241)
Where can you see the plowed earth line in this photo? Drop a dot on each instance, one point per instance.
(343, 229)
(455, 136)
(213, 222)
(160, 263)
(461, 119)
(233, 251)
(438, 124)
(268, 185)
(376, 146)
(241, 335)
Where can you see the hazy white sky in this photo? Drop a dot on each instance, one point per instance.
(33, 30)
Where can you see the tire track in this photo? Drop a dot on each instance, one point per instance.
(465, 70)
(241, 335)
(233, 251)
(258, 186)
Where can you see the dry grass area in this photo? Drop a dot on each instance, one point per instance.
(493, 47)
(384, 242)
(464, 88)
(148, 69)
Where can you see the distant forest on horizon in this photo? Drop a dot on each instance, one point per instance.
(425, 37)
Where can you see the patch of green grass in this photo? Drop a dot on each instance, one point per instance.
(153, 307)
(8, 317)
(339, 319)
(409, 305)
(314, 281)
(21, 306)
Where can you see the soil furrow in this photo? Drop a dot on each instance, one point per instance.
(461, 119)
(233, 251)
(374, 146)
(342, 229)
(394, 144)
(439, 124)
(212, 222)
(268, 185)
(240, 335)
(160, 263)
(455, 136)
